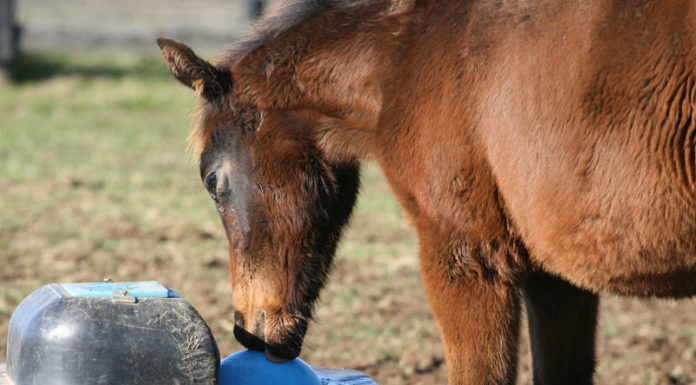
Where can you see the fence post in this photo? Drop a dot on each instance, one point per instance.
(9, 32)
(255, 9)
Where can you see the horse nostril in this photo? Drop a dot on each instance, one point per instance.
(260, 326)
(238, 319)
(245, 337)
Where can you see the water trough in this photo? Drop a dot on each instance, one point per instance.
(134, 333)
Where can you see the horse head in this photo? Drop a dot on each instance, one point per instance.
(284, 119)
(281, 202)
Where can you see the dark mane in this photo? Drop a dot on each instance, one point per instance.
(280, 18)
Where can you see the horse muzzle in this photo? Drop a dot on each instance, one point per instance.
(256, 340)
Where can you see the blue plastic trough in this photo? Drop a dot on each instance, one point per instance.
(130, 333)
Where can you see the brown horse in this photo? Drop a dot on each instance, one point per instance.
(541, 148)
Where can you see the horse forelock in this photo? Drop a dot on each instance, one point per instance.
(201, 131)
(209, 116)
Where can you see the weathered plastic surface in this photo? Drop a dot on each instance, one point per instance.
(331, 376)
(56, 338)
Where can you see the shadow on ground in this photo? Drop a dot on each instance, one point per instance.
(35, 67)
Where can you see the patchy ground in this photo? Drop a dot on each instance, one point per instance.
(95, 182)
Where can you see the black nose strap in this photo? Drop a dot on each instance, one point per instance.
(251, 341)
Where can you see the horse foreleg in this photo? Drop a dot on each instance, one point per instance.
(478, 319)
(562, 321)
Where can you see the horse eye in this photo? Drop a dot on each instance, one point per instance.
(211, 183)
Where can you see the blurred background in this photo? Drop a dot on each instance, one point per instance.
(95, 182)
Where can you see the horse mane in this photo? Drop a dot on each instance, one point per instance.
(281, 17)
(278, 19)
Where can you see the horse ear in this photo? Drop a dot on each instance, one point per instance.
(193, 71)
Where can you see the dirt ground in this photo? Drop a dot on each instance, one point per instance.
(95, 182)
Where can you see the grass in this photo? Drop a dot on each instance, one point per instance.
(95, 182)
